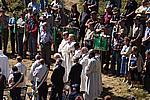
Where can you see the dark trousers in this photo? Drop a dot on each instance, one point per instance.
(45, 52)
(32, 45)
(15, 93)
(0, 41)
(42, 91)
(5, 39)
(1, 94)
(56, 90)
(116, 60)
(13, 40)
(20, 43)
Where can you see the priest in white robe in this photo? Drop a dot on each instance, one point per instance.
(63, 51)
(99, 65)
(91, 89)
(69, 53)
(4, 65)
(83, 61)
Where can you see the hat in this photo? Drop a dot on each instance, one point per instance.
(66, 32)
(2, 10)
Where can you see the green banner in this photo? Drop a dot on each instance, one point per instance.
(101, 42)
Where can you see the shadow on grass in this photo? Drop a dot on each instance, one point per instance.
(106, 91)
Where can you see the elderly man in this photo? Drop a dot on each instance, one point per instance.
(41, 73)
(57, 80)
(45, 42)
(34, 65)
(70, 52)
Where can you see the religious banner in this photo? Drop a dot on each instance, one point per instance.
(101, 42)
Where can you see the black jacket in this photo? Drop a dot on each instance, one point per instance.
(57, 76)
(75, 74)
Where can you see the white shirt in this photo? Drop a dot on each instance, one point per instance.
(21, 67)
(34, 65)
(4, 64)
(40, 72)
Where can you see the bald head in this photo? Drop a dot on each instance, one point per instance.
(84, 50)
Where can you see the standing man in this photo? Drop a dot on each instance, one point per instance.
(32, 29)
(91, 89)
(83, 61)
(12, 29)
(20, 34)
(21, 67)
(15, 79)
(4, 23)
(57, 80)
(70, 52)
(45, 42)
(33, 67)
(75, 74)
(85, 15)
(41, 74)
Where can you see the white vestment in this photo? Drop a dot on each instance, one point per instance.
(98, 60)
(4, 64)
(77, 54)
(68, 56)
(83, 61)
(91, 87)
(62, 49)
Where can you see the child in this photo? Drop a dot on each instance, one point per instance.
(135, 65)
(125, 56)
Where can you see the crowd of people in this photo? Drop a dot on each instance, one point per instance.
(86, 44)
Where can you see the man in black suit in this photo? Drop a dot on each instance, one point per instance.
(57, 81)
(75, 75)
